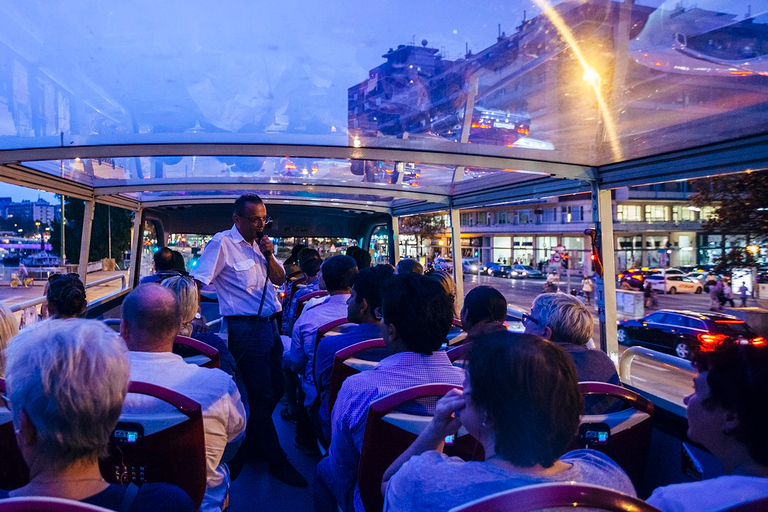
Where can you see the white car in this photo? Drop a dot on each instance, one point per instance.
(673, 283)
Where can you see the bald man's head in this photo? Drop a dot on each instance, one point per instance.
(151, 318)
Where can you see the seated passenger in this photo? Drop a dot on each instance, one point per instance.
(360, 255)
(521, 401)
(310, 262)
(164, 266)
(409, 265)
(151, 319)
(178, 263)
(291, 264)
(9, 328)
(484, 307)
(728, 415)
(63, 428)
(186, 293)
(416, 317)
(565, 320)
(65, 296)
(336, 273)
(361, 309)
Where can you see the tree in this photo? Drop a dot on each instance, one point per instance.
(422, 226)
(741, 208)
(121, 231)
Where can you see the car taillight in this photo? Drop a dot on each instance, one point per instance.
(711, 341)
(758, 341)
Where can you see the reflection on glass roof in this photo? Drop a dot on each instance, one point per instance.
(582, 81)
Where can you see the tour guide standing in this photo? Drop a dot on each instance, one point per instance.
(238, 262)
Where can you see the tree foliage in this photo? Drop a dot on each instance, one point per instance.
(741, 208)
(422, 226)
(121, 231)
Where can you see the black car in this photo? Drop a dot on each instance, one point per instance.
(683, 333)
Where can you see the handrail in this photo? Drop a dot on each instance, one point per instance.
(675, 380)
(34, 302)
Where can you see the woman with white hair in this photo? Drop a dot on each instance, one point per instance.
(66, 382)
(186, 290)
(9, 328)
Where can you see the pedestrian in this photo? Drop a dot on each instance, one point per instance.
(240, 263)
(648, 294)
(728, 293)
(586, 289)
(743, 293)
(717, 296)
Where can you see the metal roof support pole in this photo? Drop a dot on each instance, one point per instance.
(458, 274)
(138, 225)
(85, 240)
(602, 216)
(394, 240)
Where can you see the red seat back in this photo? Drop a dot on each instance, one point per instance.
(303, 301)
(341, 370)
(14, 472)
(205, 349)
(172, 449)
(46, 504)
(322, 331)
(386, 438)
(545, 496)
(459, 352)
(630, 439)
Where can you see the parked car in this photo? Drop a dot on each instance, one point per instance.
(683, 333)
(523, 271)
(673, 283)
(470, 266)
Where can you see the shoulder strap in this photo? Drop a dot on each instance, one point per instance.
(128, 498)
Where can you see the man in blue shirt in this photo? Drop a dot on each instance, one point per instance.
(361, 310)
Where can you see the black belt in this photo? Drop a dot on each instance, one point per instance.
(248, 317)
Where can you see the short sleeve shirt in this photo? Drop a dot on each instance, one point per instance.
(238, 270)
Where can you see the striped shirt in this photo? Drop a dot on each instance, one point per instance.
(350, 413)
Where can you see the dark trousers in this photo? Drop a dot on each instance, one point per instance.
(257, 349)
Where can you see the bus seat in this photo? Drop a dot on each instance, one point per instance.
(389, 432)
(294, 283)
(169, 448)
(113, 323)
(46, 504)
(14, 472)
(759, 505)
(546, 496)
(345, 363)
(458, 353)
(209, 356)
(328, 329)
(630, 439)
(303, 301)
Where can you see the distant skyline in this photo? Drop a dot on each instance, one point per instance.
(18, 194)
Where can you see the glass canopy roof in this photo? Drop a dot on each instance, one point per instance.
(295, 90)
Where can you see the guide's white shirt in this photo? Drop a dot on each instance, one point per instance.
(237, 269)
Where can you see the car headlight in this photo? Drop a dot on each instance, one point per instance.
(514, 273)
(525, 274)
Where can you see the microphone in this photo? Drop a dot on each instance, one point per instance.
(259, 236)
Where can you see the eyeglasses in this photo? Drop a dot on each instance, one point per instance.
(257, 220)
(529, 318)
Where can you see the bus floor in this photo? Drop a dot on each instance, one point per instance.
(255, 489)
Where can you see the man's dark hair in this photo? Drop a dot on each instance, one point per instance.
(361, 256)
(307, 253)
(420, 309)
(409, 265)
(369, 282)
(163, 259)
(737, 377)
(239, 208)
(143, 315)
(311, 266)
(529, 389)
(178, 263)
(485, 304)
(66, 295)
(337, 272)
(293, 259)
